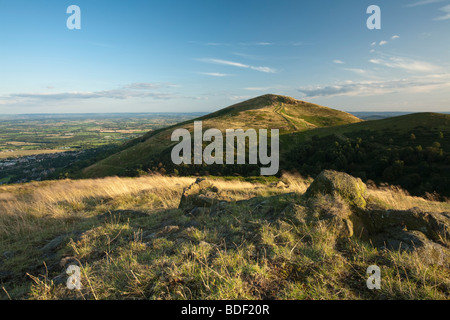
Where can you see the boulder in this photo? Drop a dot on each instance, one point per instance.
(350, 189)
(200, 197)
(435, 226)
(341, 199)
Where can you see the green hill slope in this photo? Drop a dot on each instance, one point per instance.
(396, 125)
(412, 151)
(264, 112)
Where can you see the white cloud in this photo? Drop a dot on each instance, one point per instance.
(395, 37)
(382, 43)
(134, 90)
(213, 44)
(214, 74)
(239, 65)
(262, 43)
(406, 64)
(446, 10)
(373, 44)
(240, 98)
(423, 2)
(268, 88)
(378, 87)
(357, 71)
(148, 85)
(338, 61)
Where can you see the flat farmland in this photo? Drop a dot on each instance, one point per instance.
(24, 135)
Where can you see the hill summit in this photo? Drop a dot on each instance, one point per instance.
(264, 112)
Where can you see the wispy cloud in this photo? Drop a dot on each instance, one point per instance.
(357, 71)
(446, 10)
(338, 61)
(377, 87)
(212, 44)
(214, 74)
(148, 85)
(134, 90)
(395, 37)
(406, 64)
(423, 2)
(382, 43)
(240, 98)
(239, 65)
(261, 43)
(274, 87)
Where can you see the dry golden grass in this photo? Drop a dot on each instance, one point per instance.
(398, 199)
(63, 198)
(245, 254)
(68, 198)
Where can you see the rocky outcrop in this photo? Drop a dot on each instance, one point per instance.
(341, 199)
(201, 197)
(404, 229)
(334, 183)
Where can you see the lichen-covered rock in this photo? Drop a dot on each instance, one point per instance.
(199, 197)
(350, 189)
(435, 226)
(334, 211)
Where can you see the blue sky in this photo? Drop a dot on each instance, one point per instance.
(203, 55)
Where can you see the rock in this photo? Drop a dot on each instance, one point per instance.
(434, 225)
(350, 189)
(219, 208)
(198, 211)
(55, 243)
(333, 210)
(406, 230)
(199, 196)
(339, 199)
(60, 240)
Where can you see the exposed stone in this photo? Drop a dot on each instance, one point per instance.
(349, 188)
(340, 199)
(200, 197)
(435, 226)
(60, 240)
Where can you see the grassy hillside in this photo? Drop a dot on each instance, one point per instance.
(397, 125)
(412, 151)
(264, 112)
(132, 242)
